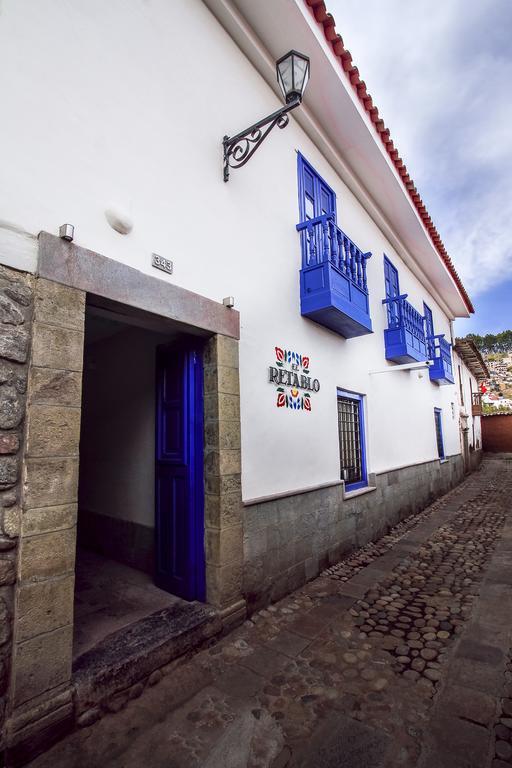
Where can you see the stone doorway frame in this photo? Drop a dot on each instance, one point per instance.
(40, 700)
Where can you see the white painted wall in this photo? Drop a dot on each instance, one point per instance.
(117, 446)
(124, 105)
(466, 385)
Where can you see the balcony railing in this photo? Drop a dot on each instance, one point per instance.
(334, 287)
(404, 338)
(476, 404)
(440, 351)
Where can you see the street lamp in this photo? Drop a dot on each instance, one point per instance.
(292, 75)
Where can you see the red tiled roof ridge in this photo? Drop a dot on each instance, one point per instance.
(335, 40)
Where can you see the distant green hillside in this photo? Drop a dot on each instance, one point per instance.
(499, 342)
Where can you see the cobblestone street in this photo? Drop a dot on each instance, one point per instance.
(398, 656)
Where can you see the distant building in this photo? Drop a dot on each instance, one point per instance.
(472, 371)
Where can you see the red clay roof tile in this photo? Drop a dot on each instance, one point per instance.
(323, 17)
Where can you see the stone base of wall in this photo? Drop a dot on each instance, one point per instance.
(475, 459)
(123, 540)
(290, 540)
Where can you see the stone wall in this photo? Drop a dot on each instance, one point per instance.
(223, 490)
(16, 299)
(289, 540)
(40, 702)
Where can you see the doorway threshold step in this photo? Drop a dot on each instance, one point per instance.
(129, 655)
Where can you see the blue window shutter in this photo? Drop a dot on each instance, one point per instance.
(439, 432)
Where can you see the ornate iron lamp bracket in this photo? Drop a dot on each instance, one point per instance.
(240, 148)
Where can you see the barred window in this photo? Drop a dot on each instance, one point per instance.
(351, 439)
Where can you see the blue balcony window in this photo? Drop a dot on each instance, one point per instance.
(404, 338)
(333, 282)
(441, 355)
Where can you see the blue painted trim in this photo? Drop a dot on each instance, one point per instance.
(438, 415)
(196, 478)
(429, 329)
(388, 261)
(364, 470)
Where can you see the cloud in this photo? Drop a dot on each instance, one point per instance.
(440, 74)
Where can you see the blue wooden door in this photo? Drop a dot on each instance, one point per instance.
(179, 497)
(316, 198)
(392, 290)
(429, 330)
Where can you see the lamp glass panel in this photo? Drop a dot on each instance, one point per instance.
(285, 75)
(301, 73)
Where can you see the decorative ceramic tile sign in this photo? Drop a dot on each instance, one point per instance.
(293, 382)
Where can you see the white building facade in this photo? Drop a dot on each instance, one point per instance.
(311, 416)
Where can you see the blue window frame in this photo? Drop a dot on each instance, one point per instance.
(316, 198)
(352, 441)
(429, 330)
(333, 280)
(392, 286)
(439, 432)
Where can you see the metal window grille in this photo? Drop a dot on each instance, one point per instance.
(439, 434)
(349, 426)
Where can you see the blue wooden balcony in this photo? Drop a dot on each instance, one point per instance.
(333, 285)
(440, 351)
(404, 338)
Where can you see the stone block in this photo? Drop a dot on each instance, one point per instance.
(254, 518)
(55, 387)
(14, 344)
(10, 314)
(58, 304)
(12, 407)
(215, 484)
(47, 555)
(311, 568)
(20, 293)
(227, 351)
(229, 435)
(11, 520)
(9, 466)
(54, 347)
(223, 462)
(44, 606)
(7, 571)
(224, 584)
(221, 379)
(42, 663)
(50, 482)
(223, 510)
(53, 430)
(229, 407)
(228, 380)
(224, 545)
(221, 350)
(9, 442)
(230, 462)
(211, 435)
(255, 544)
(48, 519)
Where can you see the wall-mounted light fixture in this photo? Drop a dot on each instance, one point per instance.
(67, 232)
(292, 76)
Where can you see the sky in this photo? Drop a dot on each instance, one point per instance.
(441, 75)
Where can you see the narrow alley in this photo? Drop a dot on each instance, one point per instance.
(398, 656)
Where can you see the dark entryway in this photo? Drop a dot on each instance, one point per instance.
(140, 511)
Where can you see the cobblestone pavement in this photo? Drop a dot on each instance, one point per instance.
(399, 656)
